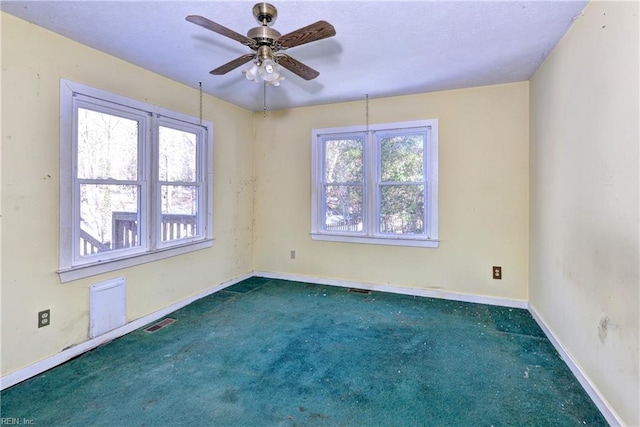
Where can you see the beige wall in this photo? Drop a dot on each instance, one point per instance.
(584, 199)
(33, 61)
(483, 189)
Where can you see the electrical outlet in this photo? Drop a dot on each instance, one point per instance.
(293, 254)
(44, 318)
(497, 272)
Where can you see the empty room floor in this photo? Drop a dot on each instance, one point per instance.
(268, 352)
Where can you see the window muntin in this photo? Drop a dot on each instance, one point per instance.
(135, 182)
(376, 185)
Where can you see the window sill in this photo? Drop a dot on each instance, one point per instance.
(378, 240)
(87, 270)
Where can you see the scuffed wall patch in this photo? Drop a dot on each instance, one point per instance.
(606, 324)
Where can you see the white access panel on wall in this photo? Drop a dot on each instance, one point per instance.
(107, 306)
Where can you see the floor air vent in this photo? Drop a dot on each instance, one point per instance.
(360, 291)
(166, 322)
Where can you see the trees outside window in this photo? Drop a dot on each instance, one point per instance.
(376, 185)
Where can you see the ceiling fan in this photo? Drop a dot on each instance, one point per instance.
(267, 44)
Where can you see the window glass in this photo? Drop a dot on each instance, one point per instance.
(343, 189)
(107, 146)
(343, 207)
(177, 150)
(402, 158)
(179, 212)
(402, 209)
(343, 160)
(109, 218)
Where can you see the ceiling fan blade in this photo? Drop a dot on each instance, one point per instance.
(224, 69)
(296, 67)
(317, 31)
(220, 29)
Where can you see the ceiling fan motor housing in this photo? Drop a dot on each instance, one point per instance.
(263, 35)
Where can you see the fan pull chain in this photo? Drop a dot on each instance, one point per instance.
(200, 83)
(264, 99)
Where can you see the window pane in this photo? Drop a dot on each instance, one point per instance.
(179, 212)
(109, 218)
(343, 207)
(177, 155)
(402, 209)
(343, 160)
(107, 146)
(402, 158)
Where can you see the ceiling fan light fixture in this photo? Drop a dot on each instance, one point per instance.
(251, 73)
(277, 81)
(268, 67)
(269, 70)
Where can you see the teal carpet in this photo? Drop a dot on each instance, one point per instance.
(278, 353)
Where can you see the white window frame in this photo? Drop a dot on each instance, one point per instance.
(71, 266)
(372, 184)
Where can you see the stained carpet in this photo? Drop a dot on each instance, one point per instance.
(279, 353)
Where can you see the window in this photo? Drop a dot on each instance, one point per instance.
(377, 185)
(135, 182)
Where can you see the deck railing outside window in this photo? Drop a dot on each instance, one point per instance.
(125, 232)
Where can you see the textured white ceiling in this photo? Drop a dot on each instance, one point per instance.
(382, 48)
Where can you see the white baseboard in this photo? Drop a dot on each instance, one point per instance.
(430, 293)
(68, 354)
(607, 412)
